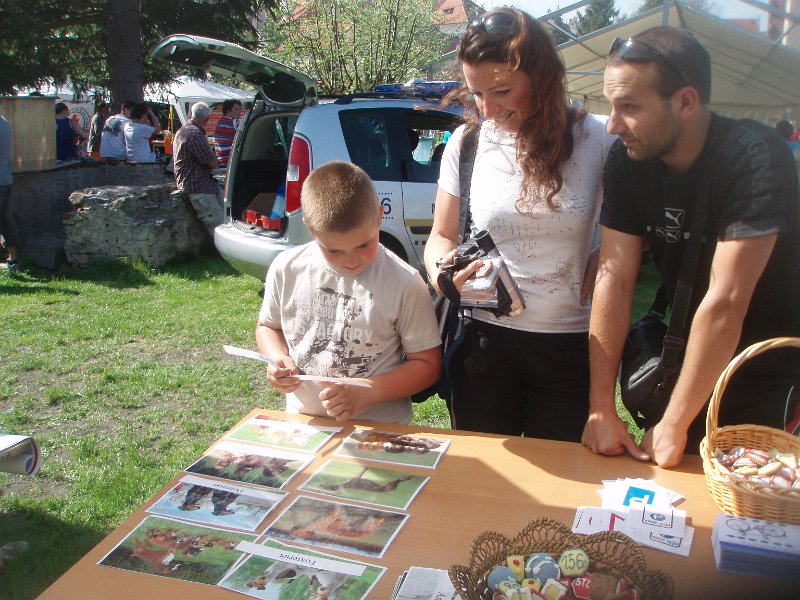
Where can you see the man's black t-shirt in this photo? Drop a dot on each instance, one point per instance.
(752, 188)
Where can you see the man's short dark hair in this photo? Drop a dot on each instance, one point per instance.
(138, 111)
(228, 105)
(129, 104)
(681, 52)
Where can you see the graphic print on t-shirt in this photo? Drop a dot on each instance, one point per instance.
(673, 219)
(339, 348)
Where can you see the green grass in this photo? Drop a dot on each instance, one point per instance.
(118, 371)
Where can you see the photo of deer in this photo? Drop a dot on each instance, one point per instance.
(393, 489)
(169, 548)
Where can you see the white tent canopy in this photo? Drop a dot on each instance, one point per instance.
(185, 91)
(751, 75)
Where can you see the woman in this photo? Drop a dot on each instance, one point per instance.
(536, 187)
(67, 131)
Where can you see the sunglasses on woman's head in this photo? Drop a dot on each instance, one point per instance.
(496, 26)
(636, 50)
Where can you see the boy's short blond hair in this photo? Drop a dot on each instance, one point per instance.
(338, 196)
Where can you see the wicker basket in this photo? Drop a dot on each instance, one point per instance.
(609, 552)
(739, 496)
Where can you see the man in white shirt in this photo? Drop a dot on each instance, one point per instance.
(142, 124)
(112, 140)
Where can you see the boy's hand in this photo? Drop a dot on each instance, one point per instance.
(344, 401)
(281, 378)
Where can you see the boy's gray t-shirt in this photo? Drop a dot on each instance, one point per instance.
(339, 325)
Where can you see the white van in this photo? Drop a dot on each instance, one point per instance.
(289, 131)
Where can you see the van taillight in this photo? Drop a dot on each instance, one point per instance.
(297, 171)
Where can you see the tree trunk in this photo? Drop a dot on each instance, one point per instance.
(124, 52)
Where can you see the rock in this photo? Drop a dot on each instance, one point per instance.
(154, 224)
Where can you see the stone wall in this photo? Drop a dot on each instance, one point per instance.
(41, 199)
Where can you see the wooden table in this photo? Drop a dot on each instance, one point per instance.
(483, 482)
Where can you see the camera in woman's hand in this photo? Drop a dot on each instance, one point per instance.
(491, 287)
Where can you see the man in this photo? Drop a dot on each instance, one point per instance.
(7, 228)
(226, 130)
(746, 288)
(139, 129)
(96, 130)
(112, 139)
(194, 160)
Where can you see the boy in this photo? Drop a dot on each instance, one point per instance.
(344, 306)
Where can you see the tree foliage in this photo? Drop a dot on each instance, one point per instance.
(103, 42)
(706, 5)
(597, 15)
(558, 30)
(352, 45)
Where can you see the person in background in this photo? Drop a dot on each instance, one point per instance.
(7, 227)
(96, 130)
(67, 133)
(193, 162)
(785, 129)
(112, 140)
(226, 130)
(536, 188)
(344, 306)
(673, 153)
(138, 130)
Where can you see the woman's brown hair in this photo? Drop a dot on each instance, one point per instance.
(544, 141)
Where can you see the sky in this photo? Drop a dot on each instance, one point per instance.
(724, 8)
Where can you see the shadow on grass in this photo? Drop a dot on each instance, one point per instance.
(202, 267)
(19, 290)
(55, 545)
(116, 274)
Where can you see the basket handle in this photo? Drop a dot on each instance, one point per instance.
(727, 373)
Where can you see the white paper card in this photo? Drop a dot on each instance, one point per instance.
(323, 564)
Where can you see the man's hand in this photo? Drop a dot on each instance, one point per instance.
(665, 444)
(281, 378)
(344, 401)
(606, 433)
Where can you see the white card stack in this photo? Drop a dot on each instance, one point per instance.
(641, 509)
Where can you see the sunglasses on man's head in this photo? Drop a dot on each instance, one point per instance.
(496, 26)
(636, 50)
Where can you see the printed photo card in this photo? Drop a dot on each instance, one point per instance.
(338, 526)
(401, 449)
(217, 503)
(178, 550)
(364, 483)
(251, 464)
(287, 435)
(277, 571)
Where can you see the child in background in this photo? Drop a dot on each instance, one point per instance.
(344, 306)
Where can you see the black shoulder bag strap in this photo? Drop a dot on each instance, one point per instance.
(466, 163)
(675, 340)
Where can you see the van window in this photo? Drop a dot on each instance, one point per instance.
(428, 134)
(366, 135)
